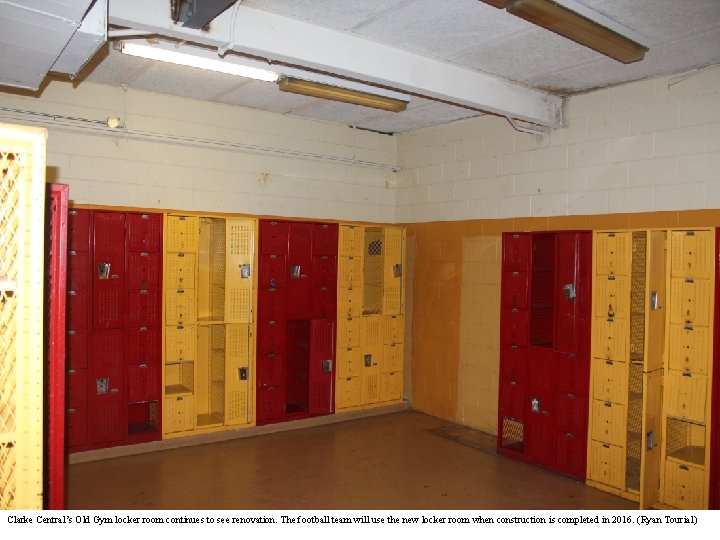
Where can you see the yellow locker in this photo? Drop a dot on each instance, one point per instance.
(348, 332)
(350, 240)
(392, 358)
(237, 374)
(349, 362)
(610, 381)
(609, 422)
(686, 395)
(178, 414)
(180, 307)
(350, 300)
(607, 464)
(690, 301)
(689, 348)
(238, 276)
(180, 343)
(684, 486)
(370, 381)
(179, 378)
(611, 339)
(371, 333)
(393, 329)
(393, 271)
(391, 389)
(350, 271)
(347, 392)
(692, 254)
(612, 298)
(613, 251)
(180, 271)
(181, 233)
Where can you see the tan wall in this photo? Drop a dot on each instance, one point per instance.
(456, 305)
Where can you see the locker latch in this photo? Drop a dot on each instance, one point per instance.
(244, 271)
(243, 373)
(368, 360)
(397, 270)
(569, 290)
(101, 385)
(535, 405)
(650, 440)
(103, 270)
(654, 300)
(327, 366)
(295, 271)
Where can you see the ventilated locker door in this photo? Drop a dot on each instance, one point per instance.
(692, 254)
(143, 270)
(349, 362)
(610, 380)
(325, 239)
(610, 340)
(299, 271)
(322, 366)
(76, 348)
(76, 305)
(571, 413)
(78, 271)
(687, 395)
(324, 286)
(515, 290)
(180, 307)
(612, 252)
(142, 344)
(540, 436)
(78, 235)
(107, 388)
(237, 374)
(514, 327)
(513, 364)
(108, 270)
(391, 385)
(180, 270)
(272, 273)
(612, 296)
(690, 301)
(392, 358)
(351, 240)
(517, 248)
(180, 343)
(348, 332)
(513, 399)
(272, 337)
(570, 453)
(350, 272)
(573, 373)
(144, 232)
(606, 464)
(178, 414)
(393, 329)
(273, 237)
(347, 392)
(370, 381)
(350, 300)
(271, 305)
(689, 349)
(181, 234)
(684, 486)
(76, 426)
(656, 279)
(77, 388)
(609, 423)
(651, 457)
(143, 308)
(238, 274)
(143, 381)
(394, 241)
(567, 330)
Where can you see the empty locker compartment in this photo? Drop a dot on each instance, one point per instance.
(179, 378)
(211, 259)
(350, 240)
(273, 237)
(209, 390)
(143, 270)
(391, 386)
(297, 376)
(181, 234)
(611, 339)
(686, 395)
(180, 307)
(180, 271)
(609, 380)
(612, 253)
(689, 348)
(690, 301)
(692, 254)
(516, 252)
(144, 232)
(606, 464)
(180, 343)
(347, 392)
(143, 419)
(684, 486)
(609, 422)
(685, 441)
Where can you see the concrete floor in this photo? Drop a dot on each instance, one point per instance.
(405, 460)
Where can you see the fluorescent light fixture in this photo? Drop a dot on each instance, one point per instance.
(580, 24)
(190, 60)
(336, 93)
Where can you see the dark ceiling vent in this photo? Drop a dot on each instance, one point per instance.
(197, 14)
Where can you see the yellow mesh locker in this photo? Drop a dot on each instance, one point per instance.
(689, 348)
(612, 252)
(651, 457)
(350, 300)
(350, 240)
(22, 220)
(392, 358)
(180, 343)
(180, 270)
(373, 270)
(606, 464)
(609, 381)
(237, 374)
(611, 339)
(690, 301)
(238, 278)
(692, 254)
(350, 271)
(178, 414)
(181, 233)
(349, 362)
(371, 332)
(347, 392)
(686, 395)
(392, 271)
(180, 307)
(393, 329)
(612, 296)
(391, 386)
(370, 385)
(609, 422)
(348, 332)
(684, 486)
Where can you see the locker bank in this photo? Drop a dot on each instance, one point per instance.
(215, 306)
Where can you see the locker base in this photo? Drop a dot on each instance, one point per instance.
(614, 491)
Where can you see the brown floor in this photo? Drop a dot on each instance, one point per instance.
(405, 460)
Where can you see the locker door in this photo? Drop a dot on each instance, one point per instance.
(607, 464)
(392, 358)
(684, 486)
(612, 296)
(516, 252)
(570, 453)
(108, 270)
(324, 287)
(299, 271)
(690, 301)
(651, 457)
(566, 331)
(143, 270)
(77, 310)
(76, 428)
(180, 343)
(611, 338)
(178, 414)
(349, 362)
(514, 327)
(77, 388)
(237, 374)
(347, 392)
(144, 232)
(394, 240)
(273, 237)
(348, 332)
(180, 271)
(573, 373)
(391, 386)
(692, 254)
(143, 381)
(513, 364)
(322, 371)
(180, 307)
(271, 305)
(272, 337)
(351, 240)
(613, 251)
(143, 308)
(107, 389)
(689, 348)
(609, 422)
(79, 230)
(272, 273)
(182, 234)
(571, 413)
(238, 276)
(76, 342)
(350, 301)
(142, 345)
(350, 271)
(540, 437)
(610, 381)
(687, 393)
(325, 239)
(78, 270)
(657, 290)
(515, 290)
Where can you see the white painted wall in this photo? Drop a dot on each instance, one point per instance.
(647, 146)
(125, 171)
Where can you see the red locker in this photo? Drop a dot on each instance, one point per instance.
(76, 428)
(324, 303)
(273, 271)
(108, 269)
(144, 232)
(513, 399)
(271, 401)
(272, 337)
(142, 345)
(76, 348)
(540, 436)
(325, 239)
(324, 271)
(299, 271)
(571, 413)
(573, 373)
(143, 381)
(516, 252)
(572, 292)
(541, 368)
(143, 308)
(514, 327)
(322, 366)
(571, 454)
(273, 237)
(514, 365)
(79, 230)
(77, 388)
(515, 290)
(77, 310)
(271, 305)
(78, 270)
(107, 390)
(143, 270)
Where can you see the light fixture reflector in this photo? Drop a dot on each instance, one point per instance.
(336, 93)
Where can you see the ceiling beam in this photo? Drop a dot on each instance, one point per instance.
(281, 39)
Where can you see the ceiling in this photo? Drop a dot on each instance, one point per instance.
(452, 59)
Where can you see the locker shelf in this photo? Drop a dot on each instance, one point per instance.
(685, 441)
(143, 418)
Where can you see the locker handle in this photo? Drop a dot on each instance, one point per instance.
(72, 252)
(71, 411)
(273, 257)
(684, 467)
(181, 291)
(516, 274)
(71, 371)
(516, 236)
(323, 289)
(513, 347)
(144, 216)
(609, 362)
(245, 271)
(72, 212)
(324, 257)
(654, 300)
(571, 396)
(327, 366)
(271, 323)
(115, 276)
(513, 383)
(114, 390)
(144, 254)
(687, 373)
(545, 413)
(271, 354)
(569, 436)
(689, 280)
(273, 223)
(71, 332)
(606, 445)
(325, 226)
(688, 327)
(71, 293)
(608, 404)
(515, 310)
(143, 329)
(611, 311)
(572, 356)
(181, 254)
(143, 292)
(143, 366)
(397, 270)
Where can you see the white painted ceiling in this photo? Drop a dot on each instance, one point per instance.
(682, 35)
